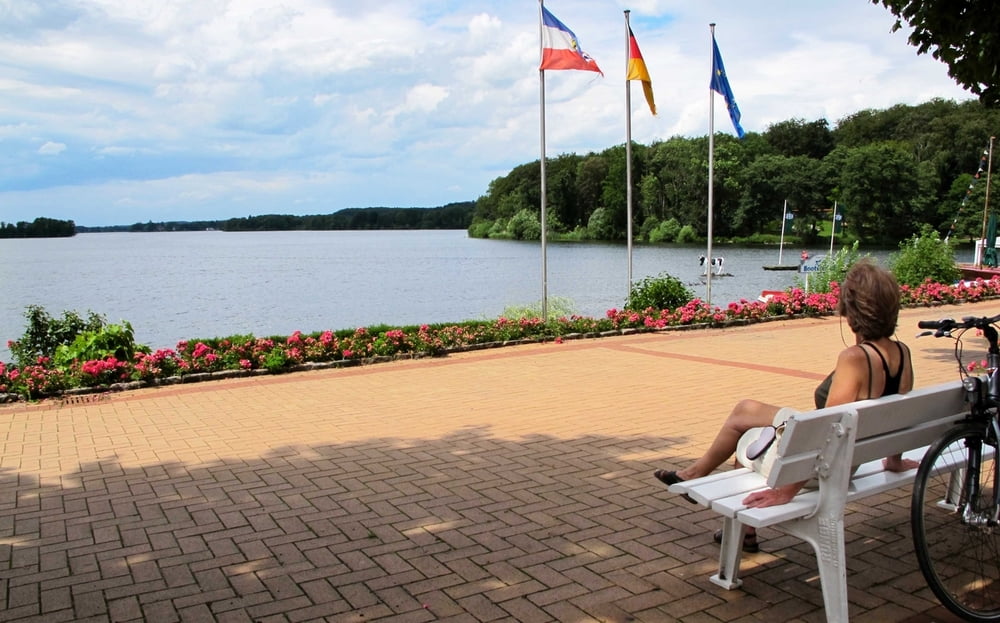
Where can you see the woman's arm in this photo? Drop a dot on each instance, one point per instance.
(849, 378)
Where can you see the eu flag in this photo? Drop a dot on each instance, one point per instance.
(720, 84)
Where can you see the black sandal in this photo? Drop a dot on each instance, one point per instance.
(750, 545)
(671, 478)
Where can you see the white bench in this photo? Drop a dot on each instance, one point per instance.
(826, 444)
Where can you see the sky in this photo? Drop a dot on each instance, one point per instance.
(114, 112)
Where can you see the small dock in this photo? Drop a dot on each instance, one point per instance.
(971, 272)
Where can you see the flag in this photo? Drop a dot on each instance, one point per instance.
(637, 70)
(720, 84)
(560, 47)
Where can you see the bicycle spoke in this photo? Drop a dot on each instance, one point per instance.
(956, 545)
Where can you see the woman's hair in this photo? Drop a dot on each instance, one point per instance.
(869, 299)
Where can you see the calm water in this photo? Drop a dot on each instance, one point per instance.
(175, 286)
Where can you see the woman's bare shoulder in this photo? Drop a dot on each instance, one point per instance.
(852, 355)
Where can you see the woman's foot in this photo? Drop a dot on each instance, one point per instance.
(750, 545)
(671, 478)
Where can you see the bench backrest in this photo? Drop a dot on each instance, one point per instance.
(884, 426)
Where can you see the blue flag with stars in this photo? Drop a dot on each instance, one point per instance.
(720, 84)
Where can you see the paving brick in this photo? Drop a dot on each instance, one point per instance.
(507, 484)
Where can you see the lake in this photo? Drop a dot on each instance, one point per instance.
(185, 285)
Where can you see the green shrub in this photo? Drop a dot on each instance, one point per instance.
(923, 257)
(113, 340)
(666, 231)
(601, 225)
(558, 307)
(661, 292)
(686, 235)
(44, 333)
(647, 227)
(480, 229)
(499, 229)
(525, 226)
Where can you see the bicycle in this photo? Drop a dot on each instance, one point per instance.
(955, 508)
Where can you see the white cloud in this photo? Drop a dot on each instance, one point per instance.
(50, 148)
(425, 97)
(211, 108)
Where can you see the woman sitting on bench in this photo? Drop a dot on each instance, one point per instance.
(875, 365)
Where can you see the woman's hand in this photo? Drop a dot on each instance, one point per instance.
(898, 464)
(771, 497)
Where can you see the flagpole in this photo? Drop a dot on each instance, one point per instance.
(781, 245)
(628, 156)
(833, 226)
(541, 86)
(711, 166)
(986, 206)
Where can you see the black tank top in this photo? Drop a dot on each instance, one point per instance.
(892, 381)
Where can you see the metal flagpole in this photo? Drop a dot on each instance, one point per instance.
(986, 205)
(628, 156)
(781, 245)
(541, 85)
(833, 226)
(711, 164)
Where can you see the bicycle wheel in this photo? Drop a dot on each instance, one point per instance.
(955, 535)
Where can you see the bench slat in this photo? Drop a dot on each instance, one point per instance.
(871, 479)
(894, 442)
(884, 414)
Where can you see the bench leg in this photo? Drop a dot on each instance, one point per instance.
(826, 535)
(953, 496)
(729, 555)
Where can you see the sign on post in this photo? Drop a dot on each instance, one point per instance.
(809, 265)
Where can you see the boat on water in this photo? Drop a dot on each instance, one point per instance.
(781, 267)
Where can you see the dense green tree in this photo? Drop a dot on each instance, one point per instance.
(890, 171)
(798, 137)
(877, 191)
(964, 35)
(590, 185)
(562, 206)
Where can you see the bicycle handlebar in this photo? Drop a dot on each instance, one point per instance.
(944, 325)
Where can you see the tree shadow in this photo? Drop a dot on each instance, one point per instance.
(468, 526)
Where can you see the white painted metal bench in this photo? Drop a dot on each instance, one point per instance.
(826, 445)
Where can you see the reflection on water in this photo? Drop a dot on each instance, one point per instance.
(174, 286)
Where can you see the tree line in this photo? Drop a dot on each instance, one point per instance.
(451, 216)
(41, 227)
(888, 171)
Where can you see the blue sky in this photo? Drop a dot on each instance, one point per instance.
(123, 111)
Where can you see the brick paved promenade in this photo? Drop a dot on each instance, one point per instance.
(510, 484)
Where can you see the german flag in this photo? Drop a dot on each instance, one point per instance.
(637, 70)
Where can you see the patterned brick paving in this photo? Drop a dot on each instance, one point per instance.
(500, 485)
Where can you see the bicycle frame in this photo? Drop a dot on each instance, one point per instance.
(984, 410)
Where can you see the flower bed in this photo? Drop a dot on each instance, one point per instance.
(246, 354)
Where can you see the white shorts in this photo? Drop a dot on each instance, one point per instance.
(762, 464)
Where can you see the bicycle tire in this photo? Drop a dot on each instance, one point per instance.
(959, 560)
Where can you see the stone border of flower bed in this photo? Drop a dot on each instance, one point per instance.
(199, 377)
(440, 340)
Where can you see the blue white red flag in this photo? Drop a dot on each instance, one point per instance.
(560, 47)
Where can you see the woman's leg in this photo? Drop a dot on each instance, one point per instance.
(745, 415)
